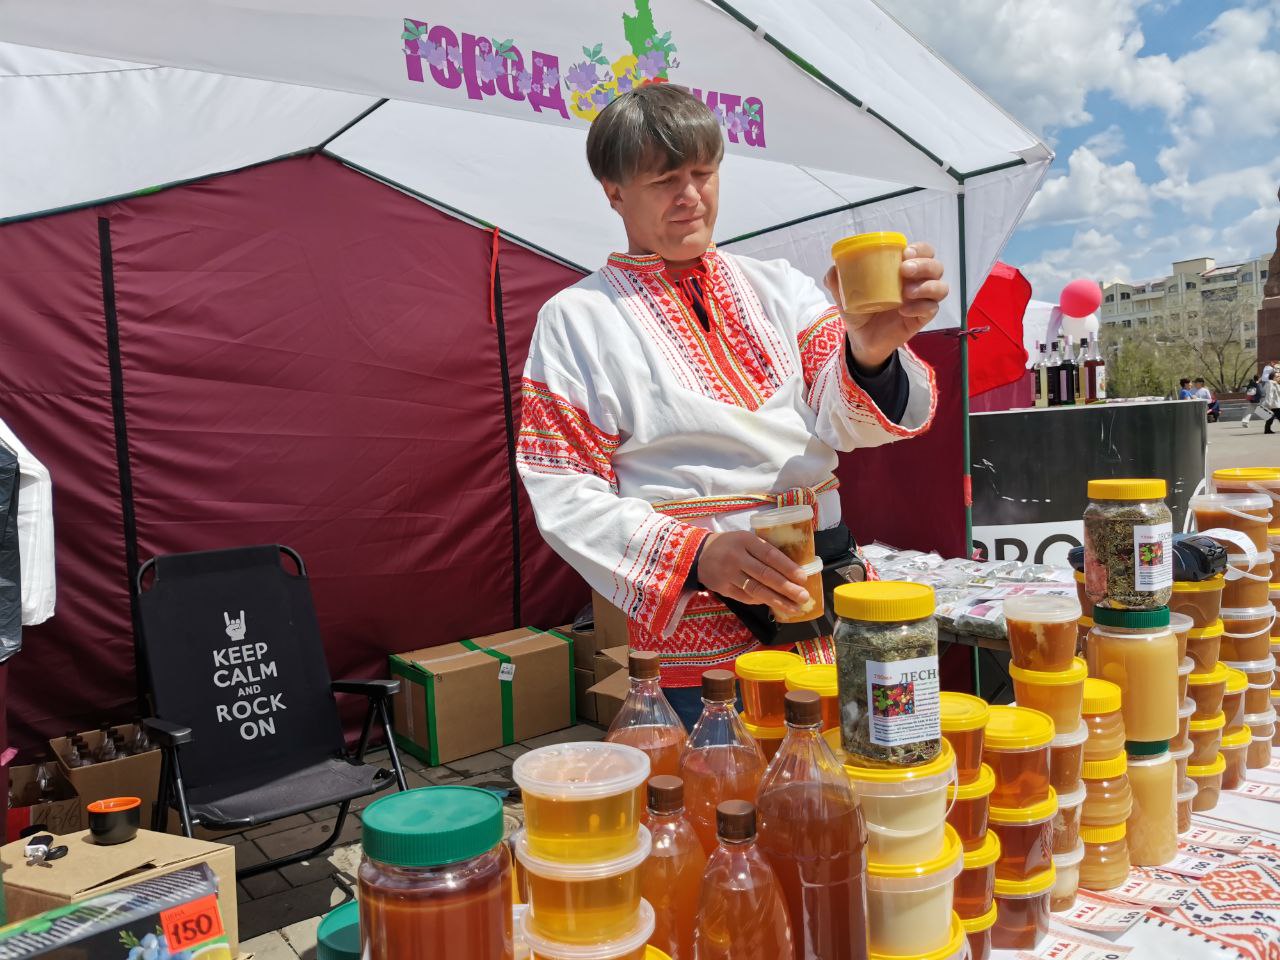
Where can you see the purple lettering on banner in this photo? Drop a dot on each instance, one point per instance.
(444, 58)
(479, 66)
(546, 90)
(412, 56)
(514, 82)
(753, 107)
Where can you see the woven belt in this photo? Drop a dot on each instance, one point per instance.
(696, 507)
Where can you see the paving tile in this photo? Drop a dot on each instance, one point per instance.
(278, 826)
(480, 763)
(248, 854)
(581, 731)
(434, 776)
(302, 937)
(294, 905)
(499, 781)
(514, 751)
(269, 946)
(308, 871)
(265, 884)
(306, 836)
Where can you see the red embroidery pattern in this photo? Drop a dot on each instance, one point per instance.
(1237, 905)
(822, 340)
(708, 636)
(556, 437)
(650, 577)
(859, 408)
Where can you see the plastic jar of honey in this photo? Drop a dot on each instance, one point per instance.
(1026, 838)
(1201, 600)
(905, 808)
(632, 946)
(964, 720)
(1208, 780)
(1138, 652)
(821, 679)
(1067, 868)
(1260, 675)
(970, 808)
(1186, 803)
(976, 884)
(1234, 753)
(1108, 797)
(762, 678)
(1066, 759)
(909, 905)
(1153, 824)
(1275, 705)
(1016, 748)
(978, 933)
(1106, 857)
(1181, 625)
(1183, 737)
(1204, 646)
(1022, 911)
(1066, 822)
(869, 268)
(956, 947)
(1057, 694)
(583, 902)
(1207, 690)
(769, 738)
(1245, 513)
(1084, 626)
(435, 871)
(1101, 713)
(1206, 738)
(1185, 669)
(1263, 728)
(1246, 480)
(1233, 698)
(581, 800)
(1042, 632)
(1247, 584)
(1181, 758)
(1246, 633)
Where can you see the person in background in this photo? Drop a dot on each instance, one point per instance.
(1255, 391)
(1270, 404)
(1202, 392)
(1184, 389)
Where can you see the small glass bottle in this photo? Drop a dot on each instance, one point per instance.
(106, 751)
(72, 755)
(140, 742)
(646, 720)
(671, 878)
(44, 779)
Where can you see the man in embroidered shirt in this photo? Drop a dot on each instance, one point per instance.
(666, 391)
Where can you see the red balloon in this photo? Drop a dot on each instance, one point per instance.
(1080, 298)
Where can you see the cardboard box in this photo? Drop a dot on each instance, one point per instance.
(89, 870)
(610, 688)
(585, 646)
(611, 626)
(586, 700)
(137, 776)
(461, 699)
(64, 814)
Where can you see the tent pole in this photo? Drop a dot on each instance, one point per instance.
(964, 412)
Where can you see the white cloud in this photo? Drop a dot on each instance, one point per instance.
(1200, 198)
(1107, 143)
(1099, 256)
(1091, 191)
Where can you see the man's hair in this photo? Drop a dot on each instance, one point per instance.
(1183, 382)
(1199, 379)
(657, 127)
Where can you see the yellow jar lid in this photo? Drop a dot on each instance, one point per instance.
(766, 664)
(1237, 738)
(985, 855)
(1127, 489)
(884, 601)
(984, 784)
(954, 947)
(1018, 728)
(1200, 586)
(1033, 813)
(1086, 622)
(1215, 629)
(1216, 722)
(978, 924)
(1237, 680)
(1078, 575)
(865, 241)
(653, 953)
(952, 852)
(1219, 765)
(942, 763)
(818, 677)
(1105, 769)
(762, 733)
(1244, 474)
(1036, 883)
(1217, 675)
(1076, 673)
(1104, 834)
(962, 711)
(1100, 696)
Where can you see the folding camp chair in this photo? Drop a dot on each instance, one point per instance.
(245, 712)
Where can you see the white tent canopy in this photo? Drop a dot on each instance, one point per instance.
(837, 118)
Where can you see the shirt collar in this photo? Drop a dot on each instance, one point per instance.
(651, 262)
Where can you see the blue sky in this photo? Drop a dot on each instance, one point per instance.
(1164, 115)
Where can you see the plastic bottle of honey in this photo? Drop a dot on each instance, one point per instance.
(721, 760)
(814, 836)
(742, 914)
(646, 720)
(671, 878)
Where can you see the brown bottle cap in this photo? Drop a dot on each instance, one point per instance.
(643, 665)
(666, 793)
(803, 708)
(719, 685)
(736, 820)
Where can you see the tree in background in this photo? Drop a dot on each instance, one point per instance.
(1141, 363)
(1216, 341)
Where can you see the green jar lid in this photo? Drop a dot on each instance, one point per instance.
(432, 826)
(1145, 748)
(1131, 619)
(339, 935)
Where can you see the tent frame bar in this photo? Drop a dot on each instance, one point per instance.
(852, 205)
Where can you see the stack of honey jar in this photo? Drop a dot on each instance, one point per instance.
(766, 677)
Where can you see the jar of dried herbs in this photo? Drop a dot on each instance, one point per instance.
(1128, 545)
(887, 667)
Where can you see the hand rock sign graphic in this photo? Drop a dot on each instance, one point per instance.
(235, 628)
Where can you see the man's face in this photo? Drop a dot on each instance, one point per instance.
(671, 213)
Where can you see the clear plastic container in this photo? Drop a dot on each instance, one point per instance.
(1275, 641)
(1066, 759)
(583, 902)
(1108, 796)
(1066, 822)
(1100, 711)
(1084, 626)
(1186, 804)
(869, 269)
(1201, 600)
(1247, 584)
(1233, 698)
(436, 874)
(1057, 694)
(1185, 669)
(1026, 838)
(905, 808)
(815, 605)
(762, 678)
(976, 884)
(978, 933)
(1245, 513)
(909, 905)
(1181, 758)
(646, 720)
(1106, 857)
(1183, 737)
(1206, 738)
(768, 739)
(1067, 868)
(632, 946)
(1260, 676)
(970, 807)
(1234, 753)
(1204, 645)
(1247, 480)
(1138, 652)
(1207, 690)
(1246, 633)
(790, 529)
(956, 947)
(821, 679)
(581, 800)
(1153, 824)
(1262, 726)
(1181, 625)
(1042, 631)
(1016, 748)
(1275, 704)
(1128, 534)
(1022, 911)
(964, 721)
(1208, 780)
(671, 878)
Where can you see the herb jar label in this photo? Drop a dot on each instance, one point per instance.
(1153, 556)
(902, 700)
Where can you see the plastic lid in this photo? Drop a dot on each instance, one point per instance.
(1238, 501)
(1074, 674)
(1239, 737)
(1219, 765)
(803, 708)
(1100, 696)
(625, 946)
(1247, 613)
(666, 793)
(581, 872)
(818, 677)
(1034, 885)
(1029, 813)
(985, 855)
(1018, 728)
(1260, 719)
(1217, 675)
(865, 241)
(1070, 858)
(1105, 769)
(1042, 608)
(762, 733)
(1251, 666)
(735, 820)
(952, 852)
(1215, 582)
(1264, 556)
(955, 948)
(1186, 667)
(719, 686)
(1216, 722)
(983, 785)
(644, 665)
(1069, 801)
(1146, 754)
(1183, 753)
(1247, 474)
(1214, 629)
(766, 664)
(1127, 489)
(1086, 622)
(581, 770)
(432, 826)
(1132, 619)
(1236, 680)
(1181, 623)
(1103, 834)
(1186, 708)
(941, 764)
(962, 711)
(1187, 790)
(339, 935)
(800, 513)
(1073, 739)
(884, 601)
(978, 924)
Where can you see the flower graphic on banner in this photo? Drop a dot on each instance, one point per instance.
(894, 700)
